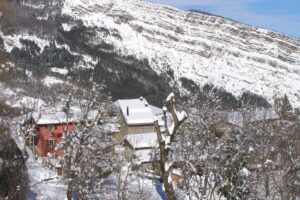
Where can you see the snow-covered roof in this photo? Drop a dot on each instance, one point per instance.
(138, 111)
(110, 128)
(60, 117)
(177, 172)
(156, 111)
(146, 155)
(145, 140)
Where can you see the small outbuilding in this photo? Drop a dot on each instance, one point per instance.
(142, 149)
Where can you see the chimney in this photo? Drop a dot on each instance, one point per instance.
(141, 98)
(127, 111)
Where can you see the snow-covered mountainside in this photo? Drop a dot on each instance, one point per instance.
(138, 48)
(200, 47)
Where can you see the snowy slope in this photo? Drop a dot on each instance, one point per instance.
(201, 47)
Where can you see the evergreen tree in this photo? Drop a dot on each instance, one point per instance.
(284, 108)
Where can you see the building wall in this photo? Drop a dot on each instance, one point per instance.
(150, 165)
(221, 128)
(132, 129)
(141, 129)
(50, 132)
(41, 147)
(153, 166)
(176, 179)
(127, 130)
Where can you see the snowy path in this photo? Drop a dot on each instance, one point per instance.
(44, 184)
(159, 190)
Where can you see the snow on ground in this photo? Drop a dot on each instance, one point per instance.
(154, 187)
(44, 183)
(12, 98)
(50, 80)
(5, 91)
(144, 182)
(60, 71)
(25, 101)
(245, 172)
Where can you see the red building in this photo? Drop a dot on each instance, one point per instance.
(45, 131)
(49, 135)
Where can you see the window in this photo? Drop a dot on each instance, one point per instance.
(50, 127)
(60, 135)
(35, 140)
(52, 144)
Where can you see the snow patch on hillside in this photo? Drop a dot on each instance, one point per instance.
(60, 71)
(26, 102)
(67, 27)
(34, 6)
(12, 41)
(13, 98)
(50, 80)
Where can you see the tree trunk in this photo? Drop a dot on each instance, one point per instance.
(68, 174)
(164, 146)
(70, 190)
(169, 190)
(267, 185)
(165, 174)
(205, 184)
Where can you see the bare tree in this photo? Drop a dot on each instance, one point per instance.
(87, 148)
(165, 139)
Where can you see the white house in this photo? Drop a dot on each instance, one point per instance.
(137, 129)
(137, 116)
